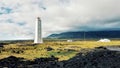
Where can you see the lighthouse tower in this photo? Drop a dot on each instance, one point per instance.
(38, 31)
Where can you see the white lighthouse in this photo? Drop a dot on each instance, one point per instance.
(38, 31)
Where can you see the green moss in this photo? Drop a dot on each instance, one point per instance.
(63, 50)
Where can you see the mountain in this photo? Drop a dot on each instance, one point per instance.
(87, 34)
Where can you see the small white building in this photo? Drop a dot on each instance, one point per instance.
(104, 40)
(69, 40)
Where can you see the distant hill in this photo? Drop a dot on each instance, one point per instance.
(87, 34)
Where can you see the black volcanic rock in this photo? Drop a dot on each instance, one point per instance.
(98, 58)
(88, 34)
(95, 59)
(11, 62)
(49, 49)
(2, 44)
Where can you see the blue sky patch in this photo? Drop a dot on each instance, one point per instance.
(10, 21)
(21, 23)
(5, 10)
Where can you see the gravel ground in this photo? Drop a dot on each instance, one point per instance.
(97, 58)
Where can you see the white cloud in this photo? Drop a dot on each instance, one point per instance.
(57, 16)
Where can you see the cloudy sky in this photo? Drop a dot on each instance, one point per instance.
(18, 17)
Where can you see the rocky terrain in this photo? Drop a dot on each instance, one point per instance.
(97, 58)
